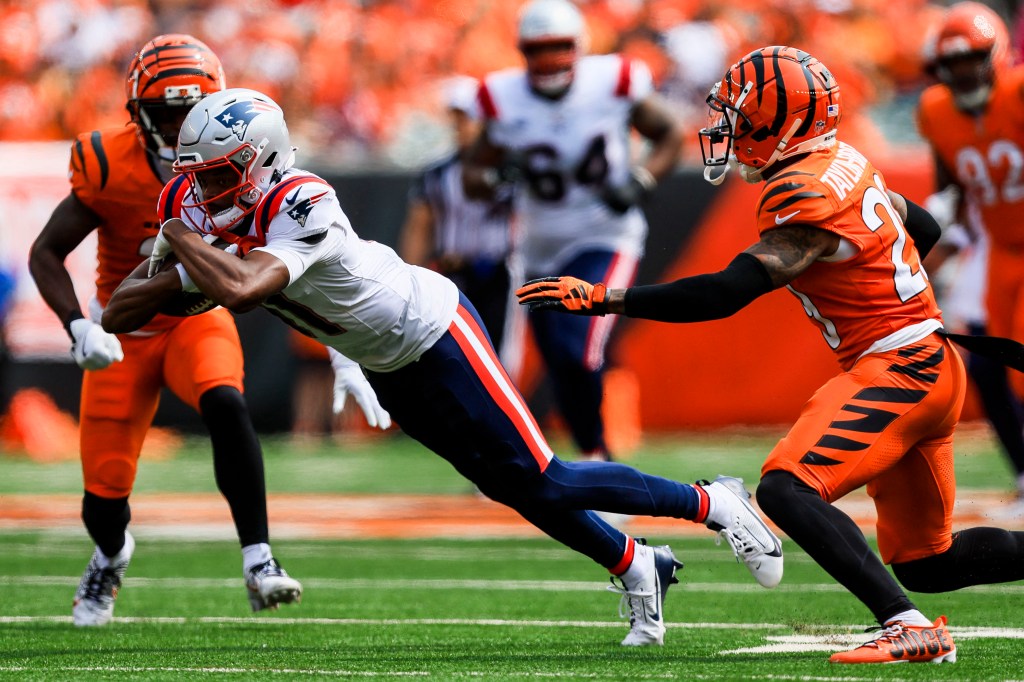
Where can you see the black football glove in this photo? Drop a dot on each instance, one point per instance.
(621, 198)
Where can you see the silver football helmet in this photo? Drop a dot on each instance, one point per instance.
(551, 38)
(239, 129)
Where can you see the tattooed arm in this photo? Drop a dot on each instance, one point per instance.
(786, 252)
(778, 258)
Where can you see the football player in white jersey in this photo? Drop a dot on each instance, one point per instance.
(420, 341)
(562, 127)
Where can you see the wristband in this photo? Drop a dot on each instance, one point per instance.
(72, 316)
(186, 282)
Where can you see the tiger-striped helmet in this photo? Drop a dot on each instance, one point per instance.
(774, 103)
(166, 77)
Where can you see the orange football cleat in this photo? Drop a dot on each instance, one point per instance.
(902, 643)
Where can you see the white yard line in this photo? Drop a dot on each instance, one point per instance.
(475, 584)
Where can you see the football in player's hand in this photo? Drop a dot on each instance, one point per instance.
(188, 303)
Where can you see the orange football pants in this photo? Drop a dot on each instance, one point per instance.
(118, 403)
(1004, 301)
(888, 424)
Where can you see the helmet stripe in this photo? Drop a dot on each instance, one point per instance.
(812, 94)
(757, 61)
(171, 197)
(782, 106)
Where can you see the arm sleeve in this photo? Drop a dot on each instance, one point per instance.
(703, 297)
(922, 227)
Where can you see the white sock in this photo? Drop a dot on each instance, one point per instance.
(638, 567)
(911, 617)
(255, 555)
(719, 506)
(121, 557)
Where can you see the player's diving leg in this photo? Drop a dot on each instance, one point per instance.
(458, 401)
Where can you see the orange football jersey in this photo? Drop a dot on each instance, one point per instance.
(874, 285)
(112, 174)
(984, 153)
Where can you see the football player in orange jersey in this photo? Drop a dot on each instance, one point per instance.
(972, 119)
(833, 234)
(116, 178)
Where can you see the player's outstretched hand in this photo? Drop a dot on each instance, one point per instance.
(349, 379)
(564, 294)
(93, 348)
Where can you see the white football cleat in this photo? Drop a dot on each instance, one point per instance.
(752, 541)
(94, 599)
(644, 596)
(270, 585)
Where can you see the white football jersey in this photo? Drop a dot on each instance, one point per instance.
(353, 295)
(572, 148)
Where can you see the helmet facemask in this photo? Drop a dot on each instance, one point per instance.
(969, 77)
(721, 130)
(242, 192)
(161, 119)
(550, 65)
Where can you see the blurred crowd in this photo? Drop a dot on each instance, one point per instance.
(359, 78)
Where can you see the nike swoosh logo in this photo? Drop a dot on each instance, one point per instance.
(290, 199)
(779, 219)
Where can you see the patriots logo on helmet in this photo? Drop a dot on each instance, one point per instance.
(239, 115)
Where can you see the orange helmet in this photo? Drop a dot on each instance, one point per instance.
(167, 76)
(774, 103)
(969, 47)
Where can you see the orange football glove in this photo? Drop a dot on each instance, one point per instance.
(565, 294)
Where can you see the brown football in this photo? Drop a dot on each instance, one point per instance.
(188, 303)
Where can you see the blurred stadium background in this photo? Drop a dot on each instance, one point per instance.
(360, 82)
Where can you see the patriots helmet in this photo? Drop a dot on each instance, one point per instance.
(238, 129)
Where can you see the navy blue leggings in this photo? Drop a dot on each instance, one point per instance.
(457, 400)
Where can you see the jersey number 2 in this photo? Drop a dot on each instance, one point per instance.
(908, 283)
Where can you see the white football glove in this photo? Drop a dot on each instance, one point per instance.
(94, 348)
(349, 378)
(161, 249)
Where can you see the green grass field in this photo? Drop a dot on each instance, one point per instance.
(494, 609)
